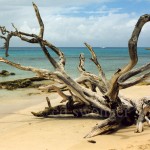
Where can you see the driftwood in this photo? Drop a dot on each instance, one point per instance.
(90, 93)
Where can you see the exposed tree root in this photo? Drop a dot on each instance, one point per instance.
(77, 109)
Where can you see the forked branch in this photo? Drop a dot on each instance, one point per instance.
(39, 20)
(124, 77)
(101, 72)
(132, 45)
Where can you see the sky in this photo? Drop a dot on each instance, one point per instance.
(70, 23)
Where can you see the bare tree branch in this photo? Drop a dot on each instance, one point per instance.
(2, 37)
(124, 77)
(14, 27)
(65, 97)
(114, 88)
(81, 63)
(94, 59)
(39, 20)
(3, 30)
(39, 72)
(62, 59)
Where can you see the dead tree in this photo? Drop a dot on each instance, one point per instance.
(90, 92)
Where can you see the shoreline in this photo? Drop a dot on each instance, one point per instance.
(20, 99)
(21, 130)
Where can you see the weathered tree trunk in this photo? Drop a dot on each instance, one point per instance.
(89, 93)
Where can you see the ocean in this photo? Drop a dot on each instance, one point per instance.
(110, 58)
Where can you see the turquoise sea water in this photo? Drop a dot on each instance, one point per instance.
(110, 58)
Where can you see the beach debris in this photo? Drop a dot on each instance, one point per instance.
(30, 94)
(89, 93)
(21, 83)
(92, 141)
(48, 102)
(5, 73)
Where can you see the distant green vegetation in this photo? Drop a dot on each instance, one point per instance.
(147, 48)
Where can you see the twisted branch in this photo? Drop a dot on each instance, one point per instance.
(132, 44)
(101, 72)
(126, 76)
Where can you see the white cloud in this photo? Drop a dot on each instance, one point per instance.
(111, 30)
(104, 10)
(26, 28)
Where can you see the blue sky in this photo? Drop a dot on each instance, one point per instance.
(118, 6)
(73, 22)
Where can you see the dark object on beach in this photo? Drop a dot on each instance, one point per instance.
(92, 141)
(12, 74)
(21, 83)
(83, 96)
(5, 73)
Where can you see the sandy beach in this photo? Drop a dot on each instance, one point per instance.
(20, 130)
